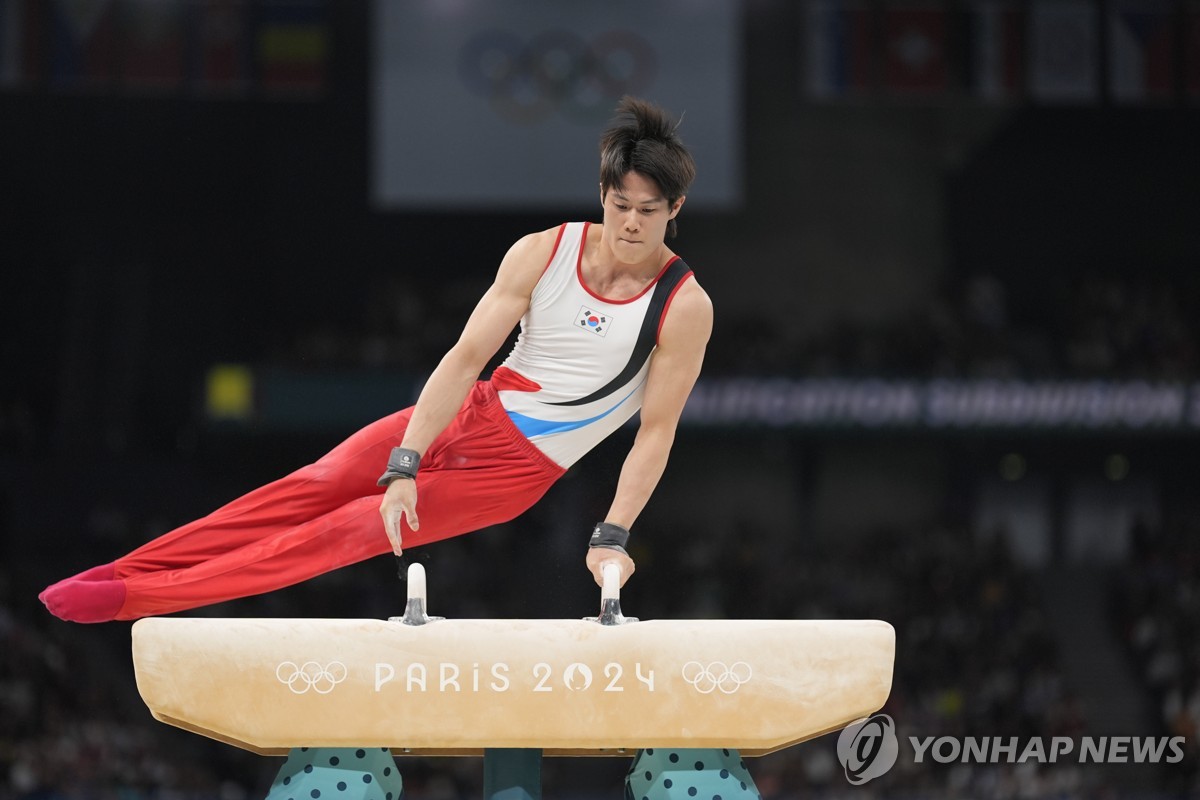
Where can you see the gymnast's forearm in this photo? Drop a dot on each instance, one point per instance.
(641, 473)
(441, 398)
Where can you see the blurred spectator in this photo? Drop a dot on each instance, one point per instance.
(1090, 328)
(1156, 611)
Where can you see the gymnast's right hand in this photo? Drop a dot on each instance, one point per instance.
(400, 499)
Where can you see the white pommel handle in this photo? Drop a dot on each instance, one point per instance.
(414, 609)
(611, 588)
(416, 582)
(610, 596)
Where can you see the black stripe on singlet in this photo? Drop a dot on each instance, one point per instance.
(647, 336)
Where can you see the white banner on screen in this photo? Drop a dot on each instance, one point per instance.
(498, 104)
(945, 404)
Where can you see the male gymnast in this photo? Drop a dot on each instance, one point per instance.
(611, 321)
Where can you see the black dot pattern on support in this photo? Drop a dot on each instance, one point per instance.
(322, 773)
(705, 775)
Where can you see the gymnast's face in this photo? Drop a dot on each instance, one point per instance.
(635, 218)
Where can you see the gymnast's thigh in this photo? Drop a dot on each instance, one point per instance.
(453, 502)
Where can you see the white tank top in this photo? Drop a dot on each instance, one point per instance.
(578, 369)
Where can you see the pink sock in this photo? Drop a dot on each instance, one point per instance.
(104, 572)
(85, 600)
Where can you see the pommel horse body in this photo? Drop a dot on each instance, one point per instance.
(332, 692)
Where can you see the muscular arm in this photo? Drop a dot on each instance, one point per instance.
(498, 311)
(673, 372)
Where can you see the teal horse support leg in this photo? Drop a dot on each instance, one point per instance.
(680, 773)
(338, 773)
(512, 774)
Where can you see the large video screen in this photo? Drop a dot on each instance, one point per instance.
(498, 104)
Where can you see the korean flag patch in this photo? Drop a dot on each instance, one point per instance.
(594, 321)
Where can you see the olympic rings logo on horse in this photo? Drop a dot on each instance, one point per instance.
(311, 675)
(707, 679)
(556, 71)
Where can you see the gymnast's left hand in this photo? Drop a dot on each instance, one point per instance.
(400, 500)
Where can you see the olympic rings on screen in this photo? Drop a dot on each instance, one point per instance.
(707, 679)
(556, 71)
(311, 675)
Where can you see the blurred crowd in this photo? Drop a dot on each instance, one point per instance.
(1156, 613)
(1089, 326)
(68, 727)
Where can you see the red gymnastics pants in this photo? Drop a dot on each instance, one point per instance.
(480, 471)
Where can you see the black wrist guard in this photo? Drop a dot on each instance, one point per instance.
(403, 463)
(610, 535)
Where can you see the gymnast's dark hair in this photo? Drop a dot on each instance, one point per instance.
(642, 138)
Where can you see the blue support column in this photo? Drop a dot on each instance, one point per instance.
(512, 774)
(338, 773)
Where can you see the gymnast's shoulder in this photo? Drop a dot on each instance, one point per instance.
(527, 258)
(690, 312)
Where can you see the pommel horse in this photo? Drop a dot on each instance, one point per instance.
(342, 697)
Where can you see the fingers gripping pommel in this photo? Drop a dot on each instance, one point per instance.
(610, 597)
